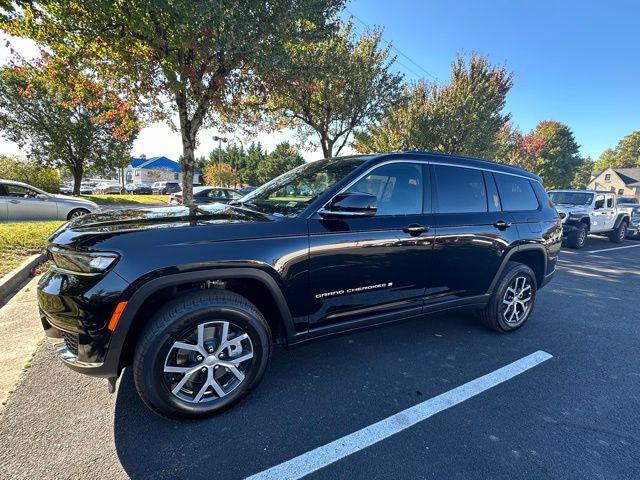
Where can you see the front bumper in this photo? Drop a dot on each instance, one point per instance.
(75, 312)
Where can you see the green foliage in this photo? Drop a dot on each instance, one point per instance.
(64, 118)
(44, 178)
(550, 151)
(583, 174)
(283, 158)
(625, 155)
(182, 57)
(463, 117)
(338, 85)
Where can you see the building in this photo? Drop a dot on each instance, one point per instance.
(154, 169)
(623, 181)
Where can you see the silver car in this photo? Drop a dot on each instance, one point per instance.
(19, 202)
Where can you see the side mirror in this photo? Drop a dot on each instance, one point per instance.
(42, 196)
(599, 204)
(350, 205)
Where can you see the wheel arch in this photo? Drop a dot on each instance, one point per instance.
(621, 218)
(534, 256)
(265, 292)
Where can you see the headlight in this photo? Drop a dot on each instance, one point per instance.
(82, 263)
(635, 212)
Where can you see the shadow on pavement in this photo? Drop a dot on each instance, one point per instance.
(310, 396)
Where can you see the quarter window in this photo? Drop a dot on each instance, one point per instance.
(460, 190)
(516, 193)
(397, 186)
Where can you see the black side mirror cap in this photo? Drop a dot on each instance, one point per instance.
(350, 205)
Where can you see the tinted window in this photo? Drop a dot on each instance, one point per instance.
(397, 186)
(492, 193)
(609, 201)
(19, 191)
(460, 190)
(516, 193)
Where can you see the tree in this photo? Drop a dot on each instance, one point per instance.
(64, 117)
(550, 151)
(625, 155)
(463, 117)
(29, 172)
(255, 156)
(186, 58)
(283, 158)
(583, 173)
(340, 85)
(222, 175)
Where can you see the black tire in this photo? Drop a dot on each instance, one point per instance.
(493, 315)
(577, 239)
(619, 234)
(77, 212)
(168, 325)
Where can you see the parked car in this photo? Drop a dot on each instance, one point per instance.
(247, 189)
(632, 206)
(104, 188)
(164, 188)
(20, 201)
(138, 188)
(196, 298)
(85, 189)
(585, 212)
(204, 195)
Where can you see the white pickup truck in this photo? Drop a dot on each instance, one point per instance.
(585, 212)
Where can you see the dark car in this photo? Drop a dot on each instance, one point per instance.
(204, 195)
(194, 299)
(164, 188)
(138, 188)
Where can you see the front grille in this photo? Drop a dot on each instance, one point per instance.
(71, 341)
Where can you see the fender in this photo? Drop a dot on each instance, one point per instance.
(112, 360)
(575, 220)
(510, 253)
(620, 218)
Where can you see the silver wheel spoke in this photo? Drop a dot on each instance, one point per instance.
(172, 369)
(182, 381)
(244, 358)
(217, 388)
(239, 375)
(201, 392)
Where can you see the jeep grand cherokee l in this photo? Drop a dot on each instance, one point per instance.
(194, 298)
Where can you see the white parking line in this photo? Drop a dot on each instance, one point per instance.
(320, 457)
(611, 249)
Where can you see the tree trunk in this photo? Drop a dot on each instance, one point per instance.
(77, 172)
(188, 151)
(327, 147)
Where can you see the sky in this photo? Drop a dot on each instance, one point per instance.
(576, 62)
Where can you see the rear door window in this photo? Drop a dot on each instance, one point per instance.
(516, 193)
(460, 190)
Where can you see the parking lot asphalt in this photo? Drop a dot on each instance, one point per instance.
(575, 415)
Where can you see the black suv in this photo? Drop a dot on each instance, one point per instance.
(195, 297)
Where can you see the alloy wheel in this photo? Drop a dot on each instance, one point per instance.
(582, 237)
(516, 302)
(208, 362)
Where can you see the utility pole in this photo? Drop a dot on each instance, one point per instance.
(220, 140)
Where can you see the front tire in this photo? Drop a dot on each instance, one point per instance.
(512, 300)
(201, 353)
(577, 239)
(77, 213)
(619, 234)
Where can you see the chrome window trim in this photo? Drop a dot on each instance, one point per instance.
(419, 162)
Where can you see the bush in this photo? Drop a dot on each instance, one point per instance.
(45, 178)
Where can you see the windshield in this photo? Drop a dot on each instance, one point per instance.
(290, 193)
(571, 198)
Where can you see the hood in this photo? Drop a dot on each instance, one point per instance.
(78, 200)
(115, 221)
(569, 209)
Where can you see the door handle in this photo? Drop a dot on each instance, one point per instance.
(414, 229)
(14, 201)
(502, 225)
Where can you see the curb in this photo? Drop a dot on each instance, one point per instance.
(12, 280)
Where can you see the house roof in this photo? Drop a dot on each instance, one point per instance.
(156, 163)
(630, 176)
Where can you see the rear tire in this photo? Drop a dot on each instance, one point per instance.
(182, 367)
(577, 239)
(619, 234)
(512, 300)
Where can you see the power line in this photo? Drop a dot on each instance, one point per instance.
(397, 50)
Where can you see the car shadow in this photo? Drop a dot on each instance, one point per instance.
(311, 395)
